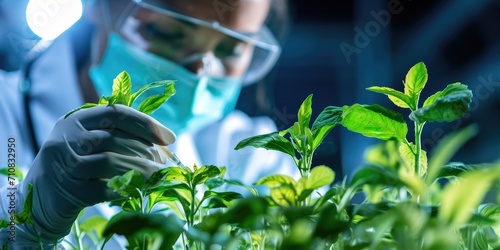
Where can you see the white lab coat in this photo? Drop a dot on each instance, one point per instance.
(55, 91)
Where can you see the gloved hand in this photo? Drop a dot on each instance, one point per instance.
(81, 154)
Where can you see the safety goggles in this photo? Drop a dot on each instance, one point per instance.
(201, 44)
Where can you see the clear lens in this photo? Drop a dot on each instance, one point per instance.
(203, 46)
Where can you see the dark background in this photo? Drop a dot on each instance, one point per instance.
(458, 40)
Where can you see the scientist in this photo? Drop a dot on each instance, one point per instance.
(210, 48)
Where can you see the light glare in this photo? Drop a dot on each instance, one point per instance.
(49, 18)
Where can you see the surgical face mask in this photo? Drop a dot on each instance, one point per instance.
(199, 100)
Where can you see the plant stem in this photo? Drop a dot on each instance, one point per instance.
(193, 201)
(345, 198)
(78, 234)
(418, 149)
(470, 239)
(40, 244)
(184, 241)
(144, 242)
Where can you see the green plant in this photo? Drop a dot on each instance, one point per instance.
(410, 199)
(122, 94)
(173, 187)
(402, 207)
(302, 142)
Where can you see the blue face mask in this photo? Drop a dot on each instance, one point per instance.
(198, 101)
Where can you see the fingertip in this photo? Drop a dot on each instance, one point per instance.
(168, 135)
(164, 135)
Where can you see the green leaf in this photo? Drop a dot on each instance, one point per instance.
(152, 103)
(17, 173)
(204, 173)
(127, 185)
(157, 177)
(284, 195)
(408, 159)
(463, 195)
(214, 183)
(397, 97)
(305, 112)
(490, 210)
(122, 95)
(492, 213)
(375, 175)
(169, 227)
(449, 106)
(182, 194)
(369, 210)
(384, 153)
(174, 206)
(336, 190)
(330, 224)
(4, 224)
(414, 184)
(308, 137)
(84, 106)
(223, 171)
(271, 141)
(275, 180)
(252, 208)
(28, 201)
(320, 176)
(328, 118)
(103, 101)
(25, 215)
(446, 148)
(94, 224)
(122, 87)
(177, 174)
(451, 88)
(374, 121)
(454, 169)
(220, 199)
(415, 80)
(252, 190)
(136, 94)
(487, 214)
(299, 138)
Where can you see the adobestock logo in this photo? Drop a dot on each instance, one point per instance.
(363, 35)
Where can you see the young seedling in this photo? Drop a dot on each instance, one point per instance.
(382, 123)
(444, 211)
(122, 94)
(172, 188)
(301, 144)
(129, 184)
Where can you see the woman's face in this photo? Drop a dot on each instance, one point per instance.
(187, 44)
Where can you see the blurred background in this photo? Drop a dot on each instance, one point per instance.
(336, 49)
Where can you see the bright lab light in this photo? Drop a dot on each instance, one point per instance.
(49, 18)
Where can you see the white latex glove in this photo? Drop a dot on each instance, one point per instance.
(72, 168)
